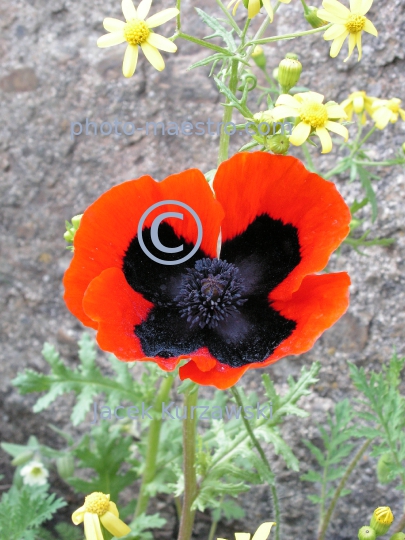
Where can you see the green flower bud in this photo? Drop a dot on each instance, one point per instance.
(278, 144)
(275, 73)
(22, 458)
(398, 536)
(381, 520)
(65, 466)
(259, 57)
(311, 16)
(289, 72)
(71, 229)
(383, 468)
(76, 221)
(366, 533)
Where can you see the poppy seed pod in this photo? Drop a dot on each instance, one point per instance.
(381, 520)
(289, 72)
(366, 533)
(23, 458)
(65, 466)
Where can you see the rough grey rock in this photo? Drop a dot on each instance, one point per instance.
(52, 74)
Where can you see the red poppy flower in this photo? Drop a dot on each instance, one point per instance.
(248, 295)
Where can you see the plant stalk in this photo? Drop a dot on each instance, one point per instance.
(190, 477)
(153, 445)
(227, 117)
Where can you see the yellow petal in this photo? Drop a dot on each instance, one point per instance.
(330, 17)
(359, 48)
(109, 40)
(313, 96)
(92, 529)
(113, 25)
(337, 44)
(130, 60)
(263, 531)
(334, 31)
(154, 56)
(336, 8)
(381, 117)
(337, 128)
(352, 44)
(113, 509)
(365, 6)
(242, 536)
(231, 3)
(325, 139)
(114, 525)
(285, 1)
(283, 112)
(370, 28)
(162, 17)
(355, 5)
(286, 99)
(335, 111)
(358, 104)
(161, 43)
(300, 134)
(236, 7)
(253, 8)
(78, 515)
(402, 113)
(128, 9)
(269, 9)
(143, 9)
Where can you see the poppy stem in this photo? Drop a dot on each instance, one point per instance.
(153, 445)
(256, 444)
(190, 476)
(227, 117)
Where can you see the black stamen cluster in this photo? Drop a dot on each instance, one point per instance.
(210, 292)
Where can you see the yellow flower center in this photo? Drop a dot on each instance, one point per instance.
(136, 32)
(37, 471)
(355, 23)
(313, 113)
(394, 105)
(97, 503)
(384, 515)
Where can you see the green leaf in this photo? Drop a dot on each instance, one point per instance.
(219, 29)
(364, 176)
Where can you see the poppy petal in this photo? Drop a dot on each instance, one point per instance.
(254, 184)
(110, 224)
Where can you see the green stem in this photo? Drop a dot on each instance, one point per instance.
(190, 477)
(256, 444)
(288, 36)
(379, 163)
(401, 524)
(342, 483)
(308, 157)
(231, 20)
(178, 21)
(153, 445)
(213, 527)
(227, 117)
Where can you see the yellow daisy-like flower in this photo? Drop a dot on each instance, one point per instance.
(387, 110)
(360, 103)
(254, 6)
(262, 533)
(98, 508)
(314, 117)
(346, 23)
(137, 31)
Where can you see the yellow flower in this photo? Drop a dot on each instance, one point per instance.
(253, 7)
(346, 23)
(314, 117)
(98, 507)
(387, 110)
(262, 533)
(360, 103)
(137, 31)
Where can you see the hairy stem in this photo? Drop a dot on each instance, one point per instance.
(190, 477)
(256, 444)
(227, 117)
(401, 525)
(342, 483)
(288, 36)
(153, 445)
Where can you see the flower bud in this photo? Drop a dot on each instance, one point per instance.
(311, 16)
(278, 144)
(65, 466)
(381, 520)
(76, 221)
(22, 458)
(398, 536)
(366, 533)
(259, 57)
(71, 229)
(383, 468)
(289, 72)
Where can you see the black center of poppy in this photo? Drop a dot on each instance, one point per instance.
(210, 292)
